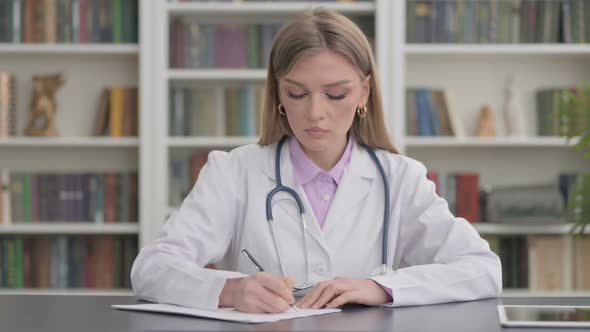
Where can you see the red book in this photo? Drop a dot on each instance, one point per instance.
(433, 176)
(468, 196)
(83, 12)
(43, 253)
(28, 262)
(89, 263)
(198, 160)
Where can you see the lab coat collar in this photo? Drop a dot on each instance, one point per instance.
(360, 164)
(355, 184)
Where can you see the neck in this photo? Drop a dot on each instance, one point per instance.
(328, 158)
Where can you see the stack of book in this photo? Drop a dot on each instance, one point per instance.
(117, 113)
(498, 21)
(543, 262)
(461, 191)
(430, 112)
(199, 45)
(216, 111)
(551, 120)
(68, 21)
(66, 262)
(184, 173)
(45, 197)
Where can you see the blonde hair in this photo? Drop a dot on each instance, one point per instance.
(308, 33)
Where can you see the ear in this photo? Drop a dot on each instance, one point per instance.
(365, 91)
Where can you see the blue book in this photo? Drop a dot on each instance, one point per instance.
(434, 120)
(423, 113)
(99, 200)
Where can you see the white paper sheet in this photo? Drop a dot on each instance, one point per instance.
(228, 314)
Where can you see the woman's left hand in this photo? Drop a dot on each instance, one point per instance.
(339, 291)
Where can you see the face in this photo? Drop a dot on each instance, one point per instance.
(320, 95)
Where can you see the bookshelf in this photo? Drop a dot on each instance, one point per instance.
(209, 142)
(497, 49)
(89, 66)
(261, 8)
(499, 160)
(216, 75)
(169, 147)
(476, 74)
(70, 142)
(70, 228)
(503, 142)
(65, 49)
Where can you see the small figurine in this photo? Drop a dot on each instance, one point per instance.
(513, 113)
(485, 123)
(43, 105)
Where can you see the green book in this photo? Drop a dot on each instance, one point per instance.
(134, 21)
(126, 21)
(27, 198)
(10, 259)
(19, 279)
(254, 46)
(545, 113)
(117, 8)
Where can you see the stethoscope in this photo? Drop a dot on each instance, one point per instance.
(383, 269)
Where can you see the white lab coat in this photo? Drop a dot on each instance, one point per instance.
(436, 256)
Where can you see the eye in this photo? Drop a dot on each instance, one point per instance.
(338, 97)
(296, 96)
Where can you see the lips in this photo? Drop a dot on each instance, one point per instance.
(316, 130)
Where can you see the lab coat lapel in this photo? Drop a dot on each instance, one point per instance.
(288, 179)
(354, 186)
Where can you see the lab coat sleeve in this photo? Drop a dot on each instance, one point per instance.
(443, 258)
(170, 269)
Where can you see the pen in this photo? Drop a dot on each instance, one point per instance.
(251, 259)
(258, 267)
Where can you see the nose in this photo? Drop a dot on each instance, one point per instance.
(317, 108)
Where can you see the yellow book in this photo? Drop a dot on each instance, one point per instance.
(582, 264)
(116, 116)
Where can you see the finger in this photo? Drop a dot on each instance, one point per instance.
(263, 308)
(329, 293)
(275, 285)
(312, 296)
(340, 300)
(290, 282)
(251, 305)
(272, 302)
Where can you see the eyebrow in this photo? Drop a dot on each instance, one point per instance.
(325, 85)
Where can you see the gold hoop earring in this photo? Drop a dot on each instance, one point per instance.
(361, 111)
(281, 110)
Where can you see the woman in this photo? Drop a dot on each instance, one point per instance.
(323, 96)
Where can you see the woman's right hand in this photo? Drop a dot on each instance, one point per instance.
(260, 293)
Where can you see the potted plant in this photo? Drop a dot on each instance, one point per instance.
(574, 120)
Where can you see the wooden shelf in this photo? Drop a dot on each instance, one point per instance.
(67, 142)
(265, 8)
(69, 228)
(217, 74)
(510, 229)
(497, 49)
(65, 49)
(461, 142)
(66, 291)
(210, 142)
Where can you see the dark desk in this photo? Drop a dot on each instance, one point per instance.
(20, 313)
